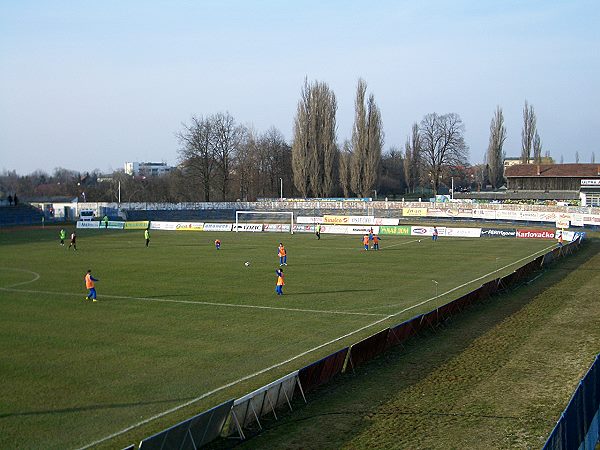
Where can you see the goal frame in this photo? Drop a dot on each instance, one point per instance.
(290, 214)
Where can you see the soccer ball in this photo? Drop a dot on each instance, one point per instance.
(419, 240)
(247, 263)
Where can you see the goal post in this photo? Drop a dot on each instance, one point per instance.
(264, 217)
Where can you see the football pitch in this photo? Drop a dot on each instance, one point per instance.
(180, 327)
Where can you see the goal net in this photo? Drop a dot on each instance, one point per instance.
(278, 221)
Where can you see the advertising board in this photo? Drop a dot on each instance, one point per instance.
(577, 220)
(116, 225)
(463, 232)
(167, 226)
(563, 220)
(189, 226)
(535, 234)
(348, 220)
(450, 212)
(88, 224)
(414, 212)
(487, 214)
(426, 231)
(362, 229)
(386, 221)
(498, 233)
(396, 230)
(277, 227)
(137, 225)
(508, 215)
(303, 228)
(308, 219)
(217, 226)
(249, 227)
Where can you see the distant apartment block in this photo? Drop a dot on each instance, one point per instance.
(147, 168)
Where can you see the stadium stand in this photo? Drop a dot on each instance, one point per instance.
(23, 214)
(201, 215)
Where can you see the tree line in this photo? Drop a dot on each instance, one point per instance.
(223, 160)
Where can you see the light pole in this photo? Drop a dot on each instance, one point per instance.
(436, 287)
(280, 188)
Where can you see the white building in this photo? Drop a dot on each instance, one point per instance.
(147, 168)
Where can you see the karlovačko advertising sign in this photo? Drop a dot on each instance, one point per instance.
(402, 230)
(498, 233)
(535, 234)
(137, 225)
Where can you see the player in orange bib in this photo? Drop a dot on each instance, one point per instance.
(366, 241)
(376, 240)
(282, 255)
(90, 286)
(280, 282)
(217, 244)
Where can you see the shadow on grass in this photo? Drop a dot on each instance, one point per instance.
(342, 410)
(92, 408)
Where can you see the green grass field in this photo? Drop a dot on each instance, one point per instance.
(180, 323)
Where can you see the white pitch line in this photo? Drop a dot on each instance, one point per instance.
(191, 302)
(36, 276)
(400, 243)
(361, 247)
(464, 284)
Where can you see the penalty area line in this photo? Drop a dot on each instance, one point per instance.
(200, 303)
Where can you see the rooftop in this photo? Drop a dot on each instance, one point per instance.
(553, 170)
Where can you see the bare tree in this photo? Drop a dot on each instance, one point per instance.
(576, 157)
(367, 142)
(495, 154)
(197, 152)
(226, 135)
(593, 160)
(537, 148)
(562, 159)
(528, 132)
(345, 162)
(442, 144)
(314, 149)
(412, 159)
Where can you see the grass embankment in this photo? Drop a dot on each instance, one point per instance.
(498, 376)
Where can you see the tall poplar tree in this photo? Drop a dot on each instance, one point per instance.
(495, 154)
(367, 142)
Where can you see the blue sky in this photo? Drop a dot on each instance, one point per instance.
(89, 85)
